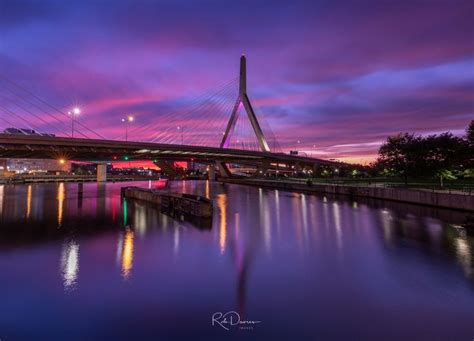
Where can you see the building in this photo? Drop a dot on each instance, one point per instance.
(36, 166)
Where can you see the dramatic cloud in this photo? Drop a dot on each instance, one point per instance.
(336, 75)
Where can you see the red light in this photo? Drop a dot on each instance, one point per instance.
(115, 157)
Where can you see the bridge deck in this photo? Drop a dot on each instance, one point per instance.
(80, 149)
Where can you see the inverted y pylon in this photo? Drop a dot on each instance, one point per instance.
(243, 99)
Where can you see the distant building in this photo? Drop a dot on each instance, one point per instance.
(36, 166)
(25, 131)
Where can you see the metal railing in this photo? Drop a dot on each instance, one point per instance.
(464, 189)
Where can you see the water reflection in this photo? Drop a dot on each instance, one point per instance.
(337, 223)
(221, 205)
(127, 253)
(70, 264)
(176, 240)
(1, 199)
(208, 191)
(266, 249)
(265, 220)
(125, 211)
(140, 220)
(28, 202)
(60, 198)
(277, 210)
(464, 255)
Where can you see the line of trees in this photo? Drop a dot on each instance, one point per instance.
(444, 156)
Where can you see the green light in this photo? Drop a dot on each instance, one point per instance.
(125, 157)
(125, 212)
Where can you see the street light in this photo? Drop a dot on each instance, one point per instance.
(127, 121)
(182, 131)
(75, 111)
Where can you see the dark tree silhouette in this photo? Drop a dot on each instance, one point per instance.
(444, 156)
(470, 133)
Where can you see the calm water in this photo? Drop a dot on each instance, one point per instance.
(93, 267)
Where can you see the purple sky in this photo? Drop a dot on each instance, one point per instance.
(340, 75)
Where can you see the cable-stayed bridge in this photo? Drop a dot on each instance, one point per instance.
(218, 128)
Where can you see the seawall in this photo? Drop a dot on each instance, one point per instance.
(422, 197)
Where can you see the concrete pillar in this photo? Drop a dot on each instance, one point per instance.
(3, 167)
(223, 169)
(167, 167)
(101, 172)
(211, 173)
(262, 169)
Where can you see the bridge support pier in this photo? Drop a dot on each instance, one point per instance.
(3, 167)
(167, 167)
(223, 169)
(262, 169)
(211, 173)
(101, 172)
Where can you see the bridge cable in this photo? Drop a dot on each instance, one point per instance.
(50, 106)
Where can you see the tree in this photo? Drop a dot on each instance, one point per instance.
(446, 155)
(470, 133)
(400, 155)
(443, 156)
(445, 174)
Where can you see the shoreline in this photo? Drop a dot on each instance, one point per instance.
(462, 202)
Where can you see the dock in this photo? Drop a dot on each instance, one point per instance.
(193, 208)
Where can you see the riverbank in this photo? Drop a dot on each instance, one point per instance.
(456, 201)
(44, 178)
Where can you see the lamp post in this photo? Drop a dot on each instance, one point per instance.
(127, 121)
(182, 131)
(75, 111)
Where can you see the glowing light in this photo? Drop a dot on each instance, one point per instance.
(207, 194)
(221, 204)
(176, 240)
(125, 212)
(130, 118)
(1, 199)
(28, 202)
(60, 203)
(127, 254)
(76, 111)
(62, 161)
(70, 264)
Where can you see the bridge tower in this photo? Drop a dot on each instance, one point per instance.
(243, 99)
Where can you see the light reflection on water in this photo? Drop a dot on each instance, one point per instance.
(288, 259)
(127, 253)
(70, 264)
(221, 205)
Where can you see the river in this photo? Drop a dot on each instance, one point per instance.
(83, 264)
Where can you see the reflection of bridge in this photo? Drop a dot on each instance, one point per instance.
(163, 151)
